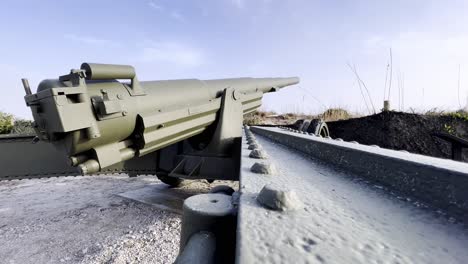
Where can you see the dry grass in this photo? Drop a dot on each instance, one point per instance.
(458, 114)
(272, 118)
(335, 114)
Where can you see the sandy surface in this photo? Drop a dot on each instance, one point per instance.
(88, 220)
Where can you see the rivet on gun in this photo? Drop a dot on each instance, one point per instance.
(124, 113)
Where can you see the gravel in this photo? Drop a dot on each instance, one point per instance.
(84, 220)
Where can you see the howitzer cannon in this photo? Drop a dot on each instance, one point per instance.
(193, 126)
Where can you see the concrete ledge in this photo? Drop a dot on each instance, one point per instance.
(438, 182)
(20, 158)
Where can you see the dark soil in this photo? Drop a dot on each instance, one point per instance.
(403, 131)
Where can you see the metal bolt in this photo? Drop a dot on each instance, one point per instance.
(124, 113)
(253, 146)
(236, 95)
(275, 198)
(251, 141)
(263, 168)
(258, 154)
(120, 96)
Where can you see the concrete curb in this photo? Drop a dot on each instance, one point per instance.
(438, 182)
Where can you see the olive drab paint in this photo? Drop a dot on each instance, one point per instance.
(101, 115)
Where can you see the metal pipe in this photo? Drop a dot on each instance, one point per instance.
(99, 71)
(26, 86)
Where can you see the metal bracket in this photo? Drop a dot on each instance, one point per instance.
(229, 126)
(220, 159)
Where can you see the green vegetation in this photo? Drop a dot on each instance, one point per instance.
(460, 114)
(6, 123)
(11, 125)
(449, 129)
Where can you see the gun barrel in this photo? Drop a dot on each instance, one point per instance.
(91, 115)
(264, 85)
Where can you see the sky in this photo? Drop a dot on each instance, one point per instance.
(316, 40)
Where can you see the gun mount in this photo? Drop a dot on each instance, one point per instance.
(194, 125)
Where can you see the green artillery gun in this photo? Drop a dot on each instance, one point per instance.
(189, 129)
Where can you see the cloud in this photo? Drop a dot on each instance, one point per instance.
(177, 16)
(154, 5)
(238, 3)
(241, 3)
(173, 53)
(172, 13)
(88, 40)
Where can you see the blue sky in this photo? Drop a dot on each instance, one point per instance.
(209, 39)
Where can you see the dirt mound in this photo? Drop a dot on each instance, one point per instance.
(403, 131)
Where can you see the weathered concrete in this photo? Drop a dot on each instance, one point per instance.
(214, 213)
(200, 248)
(344, 219)
(35, 154)
(439, 182)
